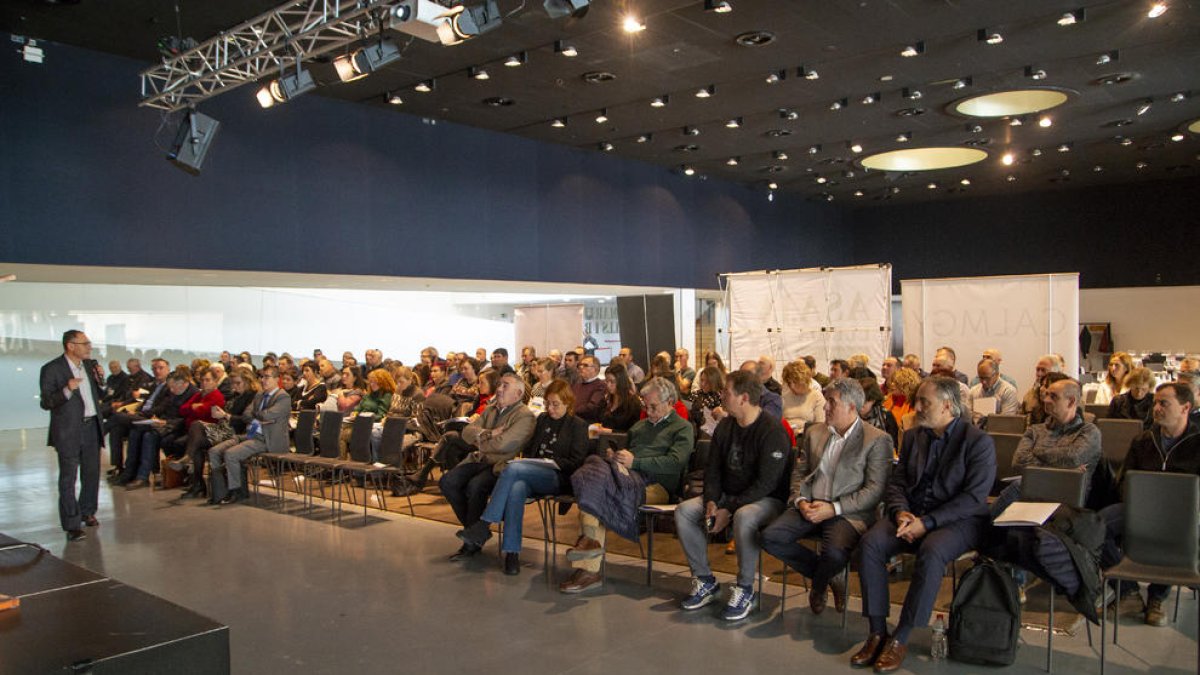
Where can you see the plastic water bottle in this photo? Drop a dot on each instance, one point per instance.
(937, 648)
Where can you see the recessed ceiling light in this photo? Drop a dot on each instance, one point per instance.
(923, 159)
(517, 60)
(645, 138)
(1157, 10)
(1010, 178)
(631, 24)
(1010, 103)
(1064, 147)
(717, 6)
(1124, 140)
(870, 98)
(1035, 73)
(1145, 107)
(734, 123)
(598, 77)
(660, 101)
(602, 116)
(498, 101)
(1036, 152)
(990, 37)
(1177, 137)
(855, 147)
(1045, 122)
(808, 73)
(858, 193)
(1141, 165)
(776, 76)
(974, 128)
(910, 112)
(565, 48)
(1015, 122)
(559, 122)
(962, 83)
(1008, 159)
(814, 149)
(706, 92)
(755, 38)
(1097, 169)
(394, 98)
(425, 86)
(477, 73)
(1108, 57)
(904, 137)
(772, 185)
(1115, 78)
(910, 93)
(687, 170)
(1178, 97)
(777, 133)
(914, 49)
(932, 186)
(821, 180)
(780, 155)
(1072, 18)
(733, 161)
(606, 146)
(838, 104)
(690, 147)
(965, 181)
(691, 131)
(787, 114)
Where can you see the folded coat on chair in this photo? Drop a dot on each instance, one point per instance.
(610, 492)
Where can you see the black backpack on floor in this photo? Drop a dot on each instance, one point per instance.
(985, 617)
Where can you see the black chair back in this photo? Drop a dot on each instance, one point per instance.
(360, 438)
(306, 421)
(1046, 484)
(331, 433)
(391, 442)
(1116, 436)
(1161, 514)
(699, 459)
(1006, 447)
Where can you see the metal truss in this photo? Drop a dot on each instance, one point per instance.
(266, 44)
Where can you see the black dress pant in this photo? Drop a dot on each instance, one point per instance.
(82, 462)
(467, 488)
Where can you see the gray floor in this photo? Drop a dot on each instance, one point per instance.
(311, 596)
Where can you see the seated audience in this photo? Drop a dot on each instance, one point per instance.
(687, 374)
(935, 505)
(609, 490)
(1119, 365)
(839, 368)
(287, 382)
(801, 404)
(636, 374)
(466, 390)
(376, 402)
(836, 486)
(117, 387)
(500, 361)
(1031, 403)
(706, 397)
(267, 431)
(145, 439)
(873, 412)
(950, 359)
(745, 484)
(313, 391)
(329, 375)
(589, 390)
(820, 380)
(943, 366)
(438, 382)
(1136, 403)
(1007, 401)
(494, 438)
(770, 402)
(713, 360)
(913, 362)
(559, 442)
(569, 369)
(138, 378)
(406, 403)
(622, 409)
(543, 374)
(351, 392)
(228, 421)
(766, 375)
(994, 355)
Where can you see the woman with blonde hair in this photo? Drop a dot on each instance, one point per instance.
(902, 388)
(802, 405)
(1119, 365)
(1137, 402)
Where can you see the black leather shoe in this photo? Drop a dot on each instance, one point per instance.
(476, 535)
(512, 564)
(465, 552)
(76, 535)
(233, 497)
(91, 521)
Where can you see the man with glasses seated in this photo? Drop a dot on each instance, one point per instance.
(267, 431)
(656, 459)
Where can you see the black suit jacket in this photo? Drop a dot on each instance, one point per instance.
(964, 474)
(66, 414)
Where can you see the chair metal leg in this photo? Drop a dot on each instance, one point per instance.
(650, 521)
(1178, 591)
(783, 593)
(1050, 635)
(1104, 617)
(846, 585)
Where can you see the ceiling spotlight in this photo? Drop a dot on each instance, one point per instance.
(477, 73)
(286, 88)
(631, 24)
(855, 147)
(858, 193)
(1178, 97)
(517, 60)
(565, 48)
(814, 149)
(394, 98)
(734, 123)
(1097, 169)
(717, 6)
(974, 128)
(425, 86)
(1108, 57)
(1124, 140)
(1177, 137)
(911, 94)
(366, 60)
(781, 155)
(904, 137)
(660, 101)
(1065, 173)
(965, 181)
(1157, 10)
(1036, 152)
(733, 161)
(1140, 165)
(786, 114)
(1015, 122)
(559, 9)
(1065, 147)
(688, 171)
(894, 190)
(821, 180)
(1008, 159)
(776, 76)
(772, 185)
(962, 83)
(706, 92)
(808, 73)
(827, 197)
(606, 146)
(1035, 73)
(990, 37)
(914, 49)
(848, 174)
(1010, 178)
(1145, 106)
(870, 98)
(559, 122)
(1045, 122)
(691, 131)
(932, 186)
(838, 104)
(1072, 18)
(645, 138)
(602, 117)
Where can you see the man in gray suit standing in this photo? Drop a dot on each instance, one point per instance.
(266, 431)
(72, 394)
(838, 481)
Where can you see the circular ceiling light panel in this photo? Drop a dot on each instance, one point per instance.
(1010, 103)
(923, 159)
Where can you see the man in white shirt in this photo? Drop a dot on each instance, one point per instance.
(1005, 399)
(837, 483)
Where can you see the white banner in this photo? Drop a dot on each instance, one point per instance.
(1022, 316)
(546, 327)
(826, 312)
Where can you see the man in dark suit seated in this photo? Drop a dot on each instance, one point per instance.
(936, 506)
(70, 390)
(145, 439)
(120, 424)
(138, 378)
(116, 387)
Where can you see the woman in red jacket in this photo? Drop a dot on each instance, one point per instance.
(199, 407)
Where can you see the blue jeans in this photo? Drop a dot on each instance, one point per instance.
(516, 483)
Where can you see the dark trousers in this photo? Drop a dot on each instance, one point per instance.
(142, 458)
(838, 538)
(83, 461)
(197, 451)
(467, 488)
(118, 427)
(934, 551)
(452, 450)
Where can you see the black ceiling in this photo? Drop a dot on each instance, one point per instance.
(854, 45)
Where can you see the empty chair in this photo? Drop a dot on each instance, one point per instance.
(1115, 437)
(1006, 447)
(327, 459)
(278, 463)
(359, 464)
(391, 454)
(1007, 424)
(1162, 514)
(1046, 484)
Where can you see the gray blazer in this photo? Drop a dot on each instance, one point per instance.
(66, 414)
(861, 475)
(274, 419)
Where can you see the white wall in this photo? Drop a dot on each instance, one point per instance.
(1165, 319)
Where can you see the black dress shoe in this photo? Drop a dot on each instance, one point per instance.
(512, 564)
(115, 471)
(233, 497)
(465, 552)
(76, 535)
(90, 521)
(476, 535)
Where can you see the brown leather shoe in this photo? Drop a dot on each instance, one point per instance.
(838, 586)
(91, 521)
(585, 549)
(816, 601)
(891, 657)
(870, 651)
(580, 581)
